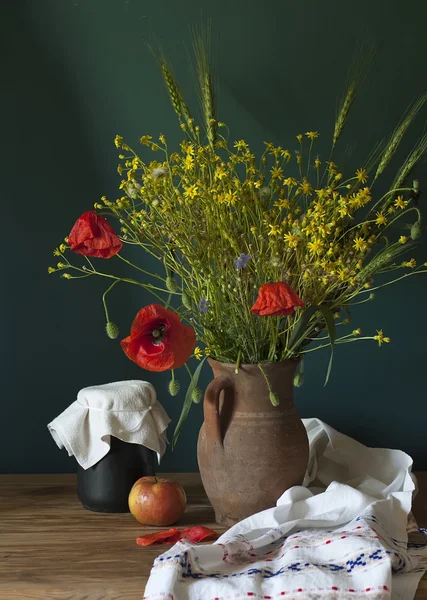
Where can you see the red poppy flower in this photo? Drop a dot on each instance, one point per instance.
(92, 235)
(276, 299)
(158, 340)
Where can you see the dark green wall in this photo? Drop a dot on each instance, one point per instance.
(75, 73)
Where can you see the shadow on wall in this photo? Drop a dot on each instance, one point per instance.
(51, 178)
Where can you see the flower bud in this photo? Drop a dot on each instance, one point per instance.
(196, 395)
(171, 284)
(173, 387)
(265, 192)
(185, 299)
(416, 230)
(299, 379)
(274, 399)
(112, 330)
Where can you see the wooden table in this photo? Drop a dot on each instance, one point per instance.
(52, 548)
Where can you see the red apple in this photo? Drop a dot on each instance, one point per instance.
(157, 501)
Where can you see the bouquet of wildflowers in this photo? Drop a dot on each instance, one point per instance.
(262, 257)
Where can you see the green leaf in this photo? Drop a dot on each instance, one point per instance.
(187, 402)
(299, 377)
(330, 324)
(299, 329)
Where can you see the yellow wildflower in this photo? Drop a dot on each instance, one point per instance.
(188, 162)
(357, 331)
(381, 218)
(118, 141)
(258, 183)
(198, 353)
(274, 230)
(403, 239)
(337, 315)
(317, 164)
(291, 239)
(343, 211)
(305, 188)
(315, 247)
(312, 135)
(229, 197)
(207, 351)
(51, 270)
(299, 137)
(240, 145)
(380, 338)
(286, 154)
(290, 181)
(276, 172)
(400, 202)
(362, 175)
(253, 228)
(342, 273)
(220, 172)
(145, 140)
(391, 210)
(360, 244)
(283, 203)
(191, 191)
(410, 263)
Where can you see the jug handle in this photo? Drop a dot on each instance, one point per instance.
(211, 406)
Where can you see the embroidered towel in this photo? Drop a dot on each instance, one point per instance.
(127, 410)
(342, 535)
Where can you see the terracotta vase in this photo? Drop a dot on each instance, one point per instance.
(249, 451)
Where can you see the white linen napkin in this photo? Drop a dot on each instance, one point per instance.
(127, 410)
(344, 536)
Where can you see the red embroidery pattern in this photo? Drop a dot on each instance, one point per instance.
(380, 592)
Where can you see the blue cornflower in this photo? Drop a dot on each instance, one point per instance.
(203, 305)
(242, 261)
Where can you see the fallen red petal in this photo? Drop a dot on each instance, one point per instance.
(171, 536)
(158, 536)
(194, 534)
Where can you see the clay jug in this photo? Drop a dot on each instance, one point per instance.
(249, 451)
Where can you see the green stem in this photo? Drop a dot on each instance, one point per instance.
(239, 357)
(139, 268)
(340, 341)
(104, 302)
(394, 281)
(265, 377)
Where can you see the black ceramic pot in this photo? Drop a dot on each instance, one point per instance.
(105, 487)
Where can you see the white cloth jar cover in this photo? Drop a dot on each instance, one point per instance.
(127, 410)
(346, 534)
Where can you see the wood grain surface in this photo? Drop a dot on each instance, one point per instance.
(52, 548)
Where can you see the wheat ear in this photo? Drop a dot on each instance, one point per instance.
(399, 132)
